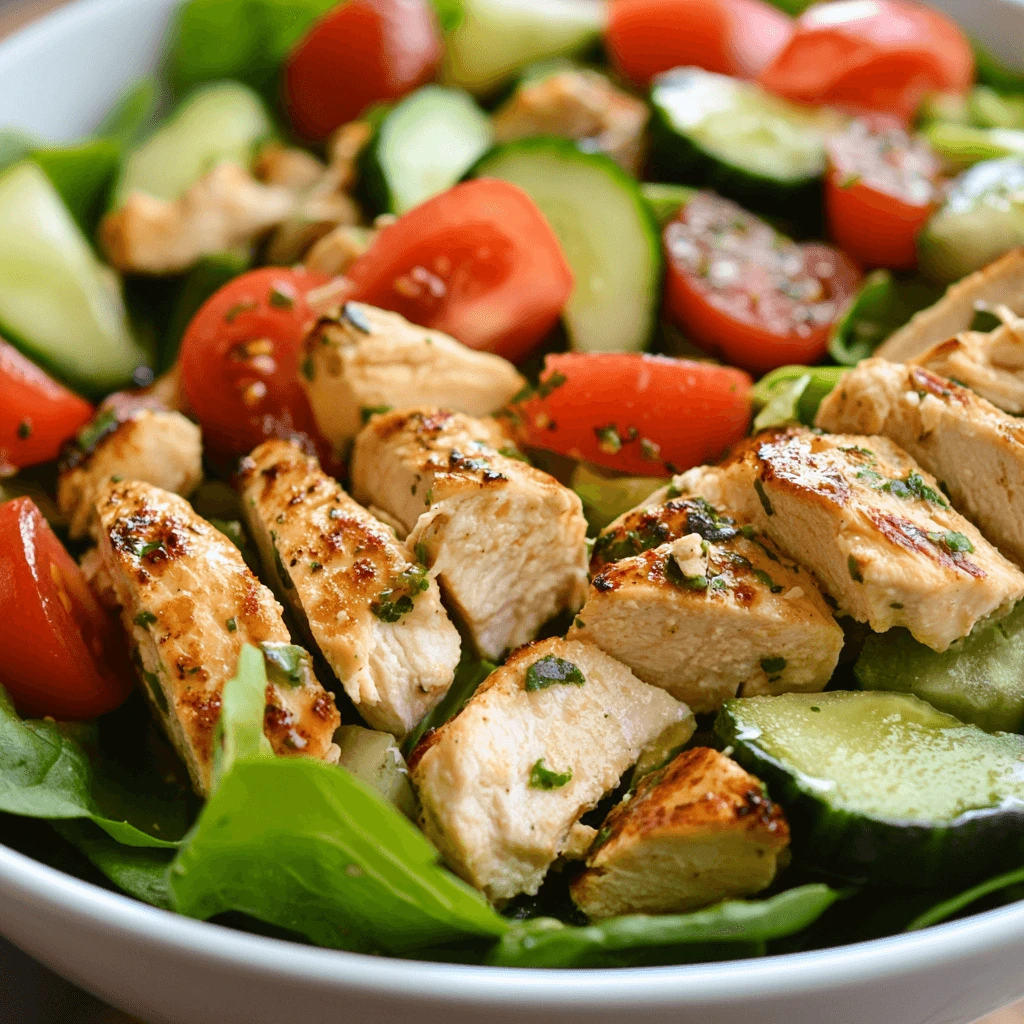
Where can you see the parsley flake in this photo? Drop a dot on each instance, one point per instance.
(551, 670)
(542, 777)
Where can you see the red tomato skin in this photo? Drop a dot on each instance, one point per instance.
(692, 411)
(63, 655)
(361, 52)
(478, 262)
(37, 415)
(747, 344)
(730, 37)
(240, 362)
(876, 229)
(882, 57)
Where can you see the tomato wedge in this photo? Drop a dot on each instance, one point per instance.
(644, 415)
(880, 190)
(37, 415)
(731, 37)
(478, 262)
(240, 362)
(871, 55)
(741, 290)
(361, 52)
(64, 656)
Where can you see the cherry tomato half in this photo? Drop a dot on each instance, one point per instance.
(64, 656)
(880, 190)
(740, 289)
(37, 415)
(240, 361)
(871, 55)
(731, 37)
(479, 262)
(641, 414)
(361, 52)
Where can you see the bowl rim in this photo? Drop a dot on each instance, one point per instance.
(459, 985)
(763, 978)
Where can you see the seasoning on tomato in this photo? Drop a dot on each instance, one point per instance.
(64, 656)
(741, 290)
(37, 415)
(361, 52)
(240, 362)
(880, 190)
(478, 262)
(642, 414)
(871, 55)
(731, 37)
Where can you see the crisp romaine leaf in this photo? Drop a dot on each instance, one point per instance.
(640, 939)
(56, 771)
(132, 114)
(993, 72)
(792, 394)
(139, 871)
(83, 175)
(305, 846)
(449, 14)
(956, 904)
(883, 304)
(471, 672)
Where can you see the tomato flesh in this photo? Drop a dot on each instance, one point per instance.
(478, 262)
(37, 415)
(361, 52)
(871, 55)
(240, 362)
(64, 656)
(880, 190)
(641, 414)
(731, 37)
(741, 290)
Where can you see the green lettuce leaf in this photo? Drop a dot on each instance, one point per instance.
(58, 771)
(730, 929)
(307, 847)
(132, 114)
(956, 904)
(792, 394)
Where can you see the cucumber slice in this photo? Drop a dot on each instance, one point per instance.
(605, 497)
(982, 218)
(979, 679)
(493, 39)
(375, 758)
(57, 301)
(608, 234)
(883, 788)
(223, 121)
(423, 146)
(737, 138)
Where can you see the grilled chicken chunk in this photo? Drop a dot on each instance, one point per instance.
(368, 361)
(1001, 283)
(967, 443)
(871, 525)
(581, 105)
(376, 615)
(189, 604)
(160, 448)
(991, 365)
(696, 832)
(712, 611)
(504, 783)
(506, 541)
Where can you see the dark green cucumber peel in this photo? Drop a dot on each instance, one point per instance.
(918, 757)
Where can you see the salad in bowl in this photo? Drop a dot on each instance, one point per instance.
(529, 484)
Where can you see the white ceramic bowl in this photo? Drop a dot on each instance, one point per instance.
(57, 78)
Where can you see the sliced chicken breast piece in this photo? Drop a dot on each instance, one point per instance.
(162, 448)
(374, 613)
(504, 784)
(713, 612)
(973, 448)
(506, 541)
(367, 360)
(698, 831)
(189, 604)
(991, 365)
(871, 524)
